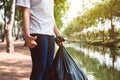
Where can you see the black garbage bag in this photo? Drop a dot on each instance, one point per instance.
(65, 68)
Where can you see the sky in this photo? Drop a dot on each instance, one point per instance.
(75, 7)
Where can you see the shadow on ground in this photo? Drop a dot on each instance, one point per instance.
(15, 66)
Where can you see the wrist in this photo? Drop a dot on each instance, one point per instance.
(27, 35)
(59, 39)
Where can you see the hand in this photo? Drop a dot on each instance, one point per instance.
(30, 41)
(59, 40)
(60, 44)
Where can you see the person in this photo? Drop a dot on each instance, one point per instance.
(39, 29)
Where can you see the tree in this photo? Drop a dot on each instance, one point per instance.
(61, 6)
(9, 26)
(5, 6)
(101, 12)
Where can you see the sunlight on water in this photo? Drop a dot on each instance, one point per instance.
(103, 59)
(98, 63)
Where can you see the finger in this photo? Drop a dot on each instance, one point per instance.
(31, 46)
(34, 38)
(60, 44)
(34, 43)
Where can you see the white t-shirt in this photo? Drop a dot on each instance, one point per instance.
(41, 15)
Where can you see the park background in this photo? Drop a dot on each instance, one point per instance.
(91, 29)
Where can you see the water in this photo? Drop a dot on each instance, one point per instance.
(98, 63)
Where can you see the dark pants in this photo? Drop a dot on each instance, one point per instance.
(42, 57)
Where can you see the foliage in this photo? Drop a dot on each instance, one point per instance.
(61, 6)
(5, 5)
(1, 25)
(1, 4)
(107, 10)
(18, 16)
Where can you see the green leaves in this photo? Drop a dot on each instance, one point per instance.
(61, 6)
(107, 9)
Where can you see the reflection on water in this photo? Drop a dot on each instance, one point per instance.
(100, 63)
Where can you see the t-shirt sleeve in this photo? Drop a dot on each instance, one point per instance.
(23, 3)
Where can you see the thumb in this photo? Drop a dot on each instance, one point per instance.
(34, 38)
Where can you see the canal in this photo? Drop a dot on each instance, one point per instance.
(98, 62)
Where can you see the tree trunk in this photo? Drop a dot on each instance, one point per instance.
(9, 39)
(112, 26)
(103, 36)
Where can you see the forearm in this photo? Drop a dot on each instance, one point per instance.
(56, 31)
(25, 16)
(59, 40)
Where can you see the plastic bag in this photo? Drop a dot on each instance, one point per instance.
(65, 68)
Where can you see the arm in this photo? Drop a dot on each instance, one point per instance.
(59, 39)
(30, 41)
(56, 31)
(25, 18)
